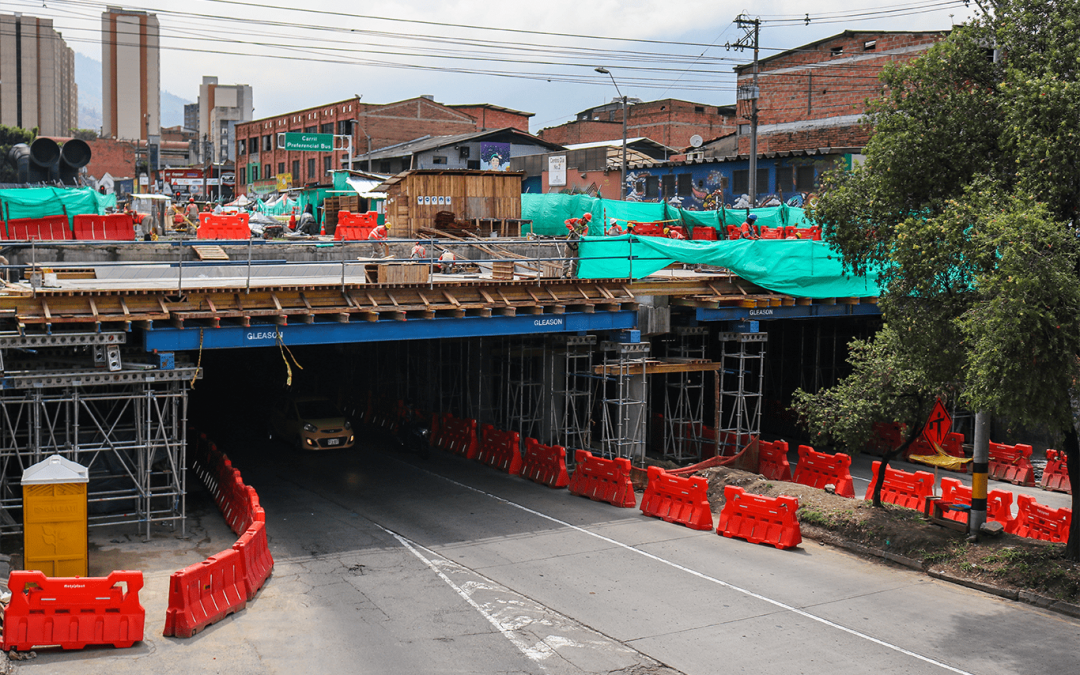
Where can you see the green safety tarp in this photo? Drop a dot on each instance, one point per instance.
(41, 202)
(802, 268)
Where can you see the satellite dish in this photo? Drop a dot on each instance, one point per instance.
(695, 141)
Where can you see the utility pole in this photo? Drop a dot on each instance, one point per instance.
(622, 186)
(206, 158)
(750, 39)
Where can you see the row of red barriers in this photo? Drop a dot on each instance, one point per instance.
(998, 502)
(817, 469)
(73, 612)
(210, 590)
(113, 227)
(901, 487)
(223, 226)
(355, 226)
(84, 227)
(760, 520)
(675, 499)
(458, 436)
(500, 449)
(49, 228)
(773, 461)
(544, 464)
(790, 232)
(1011, 463)
(603, 480)
(1056, 474)
(1038, 521)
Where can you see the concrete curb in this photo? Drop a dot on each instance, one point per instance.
(1028, 597)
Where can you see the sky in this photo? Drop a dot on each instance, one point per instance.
(538, 57)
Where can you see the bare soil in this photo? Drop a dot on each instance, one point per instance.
(1005, 561)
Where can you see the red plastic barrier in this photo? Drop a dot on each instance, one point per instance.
(760, 520)
(1010, 463)
(674, 499)
(817, 469)
(603, 480)
(88, 227)
(1056, 474)
(355, 226)
(205, 593)
(887, 437)
(459, 437)
(773, 461)
(772, 233)
(733, 232)
(500, 449)
(73, 612)
(119, 227)
(704, 233)
(792, 232)
(545, 464)
(255, 558)
(1036, 521)
(49, 228)
(902, 488)
(647, 229)
(998, 502)
(221, 226)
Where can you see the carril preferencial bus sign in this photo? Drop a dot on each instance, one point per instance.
(306, 142)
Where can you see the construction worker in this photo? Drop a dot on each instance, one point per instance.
(579, 227)
(672, 233)
(191, 211)
(614, 229)
(446, 262)
(377, 234)
(748, 230)
(418, 251)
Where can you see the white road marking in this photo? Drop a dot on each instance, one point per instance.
(706, 577)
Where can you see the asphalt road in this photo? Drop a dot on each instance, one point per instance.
(389, 563)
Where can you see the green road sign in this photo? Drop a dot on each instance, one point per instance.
(307, 142)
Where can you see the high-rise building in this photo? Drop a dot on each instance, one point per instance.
(37, 76)
(130, 74)
(191, 116)
(221, 106)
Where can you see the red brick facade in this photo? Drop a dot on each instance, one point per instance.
(811, 96)
(669, 121)
(489, 117)
(117, 158)
(379, 125)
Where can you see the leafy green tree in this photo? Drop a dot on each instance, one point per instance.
(10, 136)
(968, 205)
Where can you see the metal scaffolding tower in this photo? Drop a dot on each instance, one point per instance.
(524, 368)
(572, 384)
(741, 386)
(125, 422)
(684, 397)
(623, 404)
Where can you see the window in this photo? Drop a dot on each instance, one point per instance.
(869, 45)
(296, 169)
(837, 51)
(473, 164)
(652, 187)
(327, 163)
(667, 186)
(762, 181)
(740, 182)
(241, 147)
(254, 171)
(785, 179)
(344, 127)
(267, 147)
(281, 167)
(268, 171)
(310, 130)
(438, 159)
(311, 169)
(804, 179)
(384, 166)
(684, 185)
(699, 108)
(327, 128)
(253, 144)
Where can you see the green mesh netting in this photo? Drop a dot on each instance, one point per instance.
(803, 268)
(41, 202)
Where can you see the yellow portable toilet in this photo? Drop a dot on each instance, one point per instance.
(55, 517)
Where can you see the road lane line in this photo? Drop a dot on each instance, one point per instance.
(706, 577)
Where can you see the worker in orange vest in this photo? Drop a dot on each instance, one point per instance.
(672, 233)
(748, 229)
(418, 251)
(379, 233)
(446, 262)
(614, 229)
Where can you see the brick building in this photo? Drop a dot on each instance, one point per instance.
(671, 122)
(813, 96)
(373, 126)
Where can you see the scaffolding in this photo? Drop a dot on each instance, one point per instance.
(125, 422)
(572, 383)
(742, 380)
(684, 397)
(524, 377)
(623, 404)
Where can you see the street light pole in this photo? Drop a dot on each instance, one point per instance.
(622, 184)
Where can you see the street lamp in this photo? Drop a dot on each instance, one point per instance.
(622, 186)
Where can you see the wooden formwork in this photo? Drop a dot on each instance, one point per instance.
(414, 198)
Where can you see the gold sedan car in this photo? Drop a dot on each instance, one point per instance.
(313, 423)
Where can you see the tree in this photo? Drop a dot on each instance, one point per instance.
(968, 204)
(10, 136)
(84, 134)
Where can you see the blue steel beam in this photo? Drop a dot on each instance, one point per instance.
(324, 333)
(794, 312)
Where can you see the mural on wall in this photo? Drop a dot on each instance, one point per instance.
(710, 187)
(494, 156)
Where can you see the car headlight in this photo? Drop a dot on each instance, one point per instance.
(310, 427)
(348, 424)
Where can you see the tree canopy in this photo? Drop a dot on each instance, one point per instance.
(10, 136)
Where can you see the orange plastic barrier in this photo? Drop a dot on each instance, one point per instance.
(772, 233)
(675, 499)
(733, 232)
(73, 612)
(792, 232)
(998, 502)
(1036, 521)
(760, 520)
(205, 593)
(221, 226)
(1056, 474)
(49, 228)
(886, 437)
(1010, 463)
(817, 469)
(603, 480)
(458, 436)
(704, 233)
(255, 558)
(646, 229)
(773, 461)
(902, 488)
(500, 449)
(355, 226)
(119, 227)
(545, 464)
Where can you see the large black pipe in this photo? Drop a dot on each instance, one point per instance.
(73, 156)
(45, 154)
(19, 155)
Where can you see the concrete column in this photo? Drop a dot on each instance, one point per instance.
(980, 467)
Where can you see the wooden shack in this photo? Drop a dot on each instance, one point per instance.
(490, 199)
